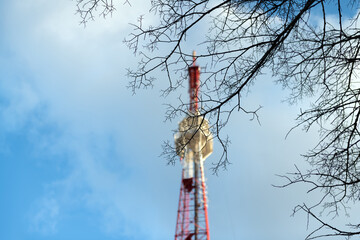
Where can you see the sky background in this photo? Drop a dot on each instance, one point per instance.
(79, 154)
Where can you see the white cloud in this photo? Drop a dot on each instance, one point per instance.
(45, 216)
(22, 103)
(77, 78)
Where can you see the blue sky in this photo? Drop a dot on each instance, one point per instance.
(79, 155)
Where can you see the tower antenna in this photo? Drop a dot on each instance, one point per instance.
(193, 144)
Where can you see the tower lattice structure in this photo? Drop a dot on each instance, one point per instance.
(193, 144)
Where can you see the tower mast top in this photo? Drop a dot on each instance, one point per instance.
(194, 85)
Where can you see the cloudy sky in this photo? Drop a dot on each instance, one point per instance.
(79, 154)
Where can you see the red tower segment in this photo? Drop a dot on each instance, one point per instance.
(194, 85)
(193, 145)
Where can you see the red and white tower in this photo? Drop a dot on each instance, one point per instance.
(193, 144)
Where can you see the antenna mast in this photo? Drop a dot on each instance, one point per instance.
(193, 144)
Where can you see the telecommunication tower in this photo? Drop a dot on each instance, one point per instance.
(193, 144)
